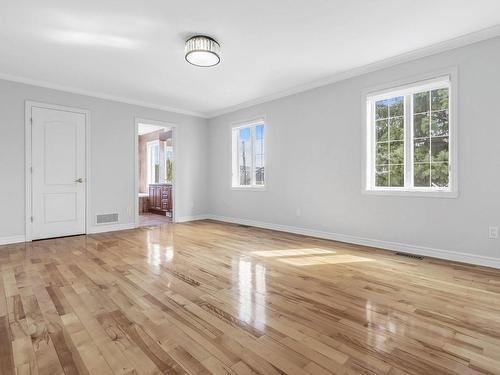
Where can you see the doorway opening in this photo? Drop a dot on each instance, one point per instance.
(155, 173)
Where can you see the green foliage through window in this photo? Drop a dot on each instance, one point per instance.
(390, 150)
(170, 170)
(431, 141)
(427, 139)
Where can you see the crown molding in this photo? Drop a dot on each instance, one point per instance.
(99, 95)
(434, 49)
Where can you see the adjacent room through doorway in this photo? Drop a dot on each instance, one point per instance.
(155, 174)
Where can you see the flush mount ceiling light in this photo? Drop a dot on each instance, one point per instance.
(202, 50)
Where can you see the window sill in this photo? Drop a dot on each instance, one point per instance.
(249, 188)
(412, 193)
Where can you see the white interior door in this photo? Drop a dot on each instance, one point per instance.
(58, 174)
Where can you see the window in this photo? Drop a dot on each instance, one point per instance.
(249, 155)
(169, 163)
(409, 139)
(153, 159)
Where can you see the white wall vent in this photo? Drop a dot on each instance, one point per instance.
(106, 218)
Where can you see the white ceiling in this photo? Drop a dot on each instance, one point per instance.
(134, 49)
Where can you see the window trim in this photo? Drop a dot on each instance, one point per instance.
(404, 87)
(149, 145)
(234, 154)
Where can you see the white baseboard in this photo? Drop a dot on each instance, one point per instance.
(480, 260)
(12, 239)
(110, 228)
(192, 218)
(92, 230)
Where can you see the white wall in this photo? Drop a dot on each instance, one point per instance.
(314, 150)
(112, 155)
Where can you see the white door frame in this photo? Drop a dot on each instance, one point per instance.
(28, 161)
(175, 148)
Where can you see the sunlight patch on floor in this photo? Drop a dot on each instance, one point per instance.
(323, 260)
(291, 252)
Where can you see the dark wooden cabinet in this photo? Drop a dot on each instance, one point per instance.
(160, 198)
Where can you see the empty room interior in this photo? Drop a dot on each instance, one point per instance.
(249, 187)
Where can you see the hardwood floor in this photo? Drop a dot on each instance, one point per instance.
(149, 219)
(206, 297)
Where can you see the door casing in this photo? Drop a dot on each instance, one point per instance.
(28, 161)
(135, 198)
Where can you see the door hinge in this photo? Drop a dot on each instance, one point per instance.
(31, 120)
(31, 170)
(31, 219)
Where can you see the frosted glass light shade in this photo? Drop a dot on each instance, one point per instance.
(202, 51)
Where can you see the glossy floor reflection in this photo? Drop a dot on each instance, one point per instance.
(207, 297)
(150, 219)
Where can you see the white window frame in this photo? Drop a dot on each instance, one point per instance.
(149, 145)
(235, 177)
(406, 88)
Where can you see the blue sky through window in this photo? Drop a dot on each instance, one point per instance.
(259, 132)
(245, 134)
(391, 101)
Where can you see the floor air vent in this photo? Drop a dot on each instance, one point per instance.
(412, 256)
(106, 218)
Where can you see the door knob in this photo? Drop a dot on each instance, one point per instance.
(79, 180)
